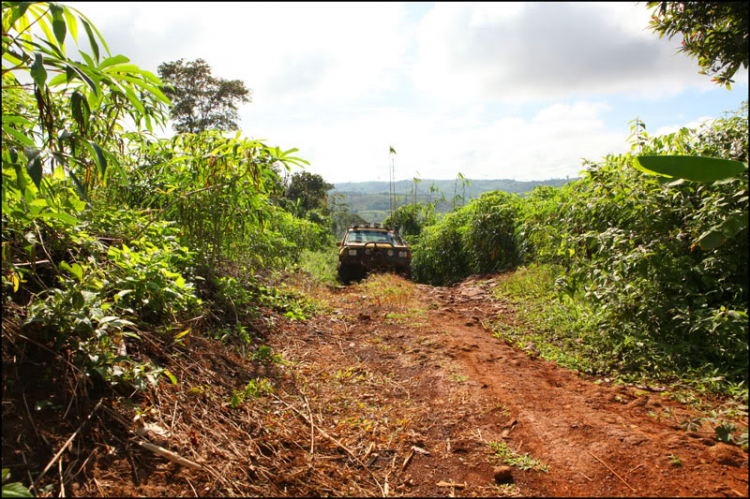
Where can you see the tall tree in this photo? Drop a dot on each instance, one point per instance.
(311, 190)
(201, 101)
(714, 32)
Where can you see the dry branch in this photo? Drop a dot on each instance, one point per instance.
(175, 458)
(65, 445)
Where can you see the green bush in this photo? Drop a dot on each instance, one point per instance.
(478, 238)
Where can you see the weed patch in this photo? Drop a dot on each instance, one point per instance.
(501, 451)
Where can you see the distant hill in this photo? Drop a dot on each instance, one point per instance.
(476, 188)
(370, 199)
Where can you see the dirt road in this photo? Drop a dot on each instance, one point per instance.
(411, 379)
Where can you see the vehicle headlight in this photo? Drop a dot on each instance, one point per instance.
(402, 254)
(390, 252)
(352, 252)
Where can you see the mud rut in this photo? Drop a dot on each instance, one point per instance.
(454, 388)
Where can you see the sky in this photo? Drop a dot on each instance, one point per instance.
(511, 90)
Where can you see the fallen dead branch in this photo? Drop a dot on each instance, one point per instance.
(175, 458)
(65, 445)
(451, 484)
(407, 461)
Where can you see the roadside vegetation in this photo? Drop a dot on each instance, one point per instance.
(121, 249)
(628, 272)
(117, 242)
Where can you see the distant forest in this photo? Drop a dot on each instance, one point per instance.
(370, 199)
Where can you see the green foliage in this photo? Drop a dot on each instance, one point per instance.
(107, 231)
(440, 257)
(13, 489)
(716, 33)
(255, 389)
(411, 219)
(642, 275)
(265, 354)
(308, 191)
(320, 265)
(510, 457)
(201, 101)
(478, 238)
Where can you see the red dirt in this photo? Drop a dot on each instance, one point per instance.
(467, 388)
(399, 389)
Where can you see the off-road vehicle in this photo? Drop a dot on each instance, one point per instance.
(367, 248)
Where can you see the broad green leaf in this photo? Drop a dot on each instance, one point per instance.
(100, 158)
(710, 239)
(695, 168)
(72, 24)
(45, 28)
(111, 61)
(92, 40)
(17, 119)
(15, 489)
(734, 225)
(18, 135)
(34, 167)
(58, 80)
(77, 104)
(87, 79)
(38, 72)
(74, 269)
(11, 58)
(66, 218)
(87, 58)
(134, 100)
(79, 186)
(19, 10)
(58, 23)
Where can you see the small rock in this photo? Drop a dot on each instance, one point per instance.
(503, 474)
(726, 454)
(708, 442)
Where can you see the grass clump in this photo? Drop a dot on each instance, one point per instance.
(511, 458)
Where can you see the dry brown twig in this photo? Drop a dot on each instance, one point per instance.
(339, 444)
(613, 471)
(175, 458)
(67, 442)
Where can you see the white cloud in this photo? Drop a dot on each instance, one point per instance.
(354, 147)
(445, 88)
(288, 53)
(543, 51)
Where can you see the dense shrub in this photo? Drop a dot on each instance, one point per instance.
(478, 238)
(660, 265)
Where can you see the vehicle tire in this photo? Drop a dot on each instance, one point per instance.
(345, 274)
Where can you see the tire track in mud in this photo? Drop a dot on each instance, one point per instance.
(465, 388)
(568, 422)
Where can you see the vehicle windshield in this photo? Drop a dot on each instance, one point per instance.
(370, 236)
